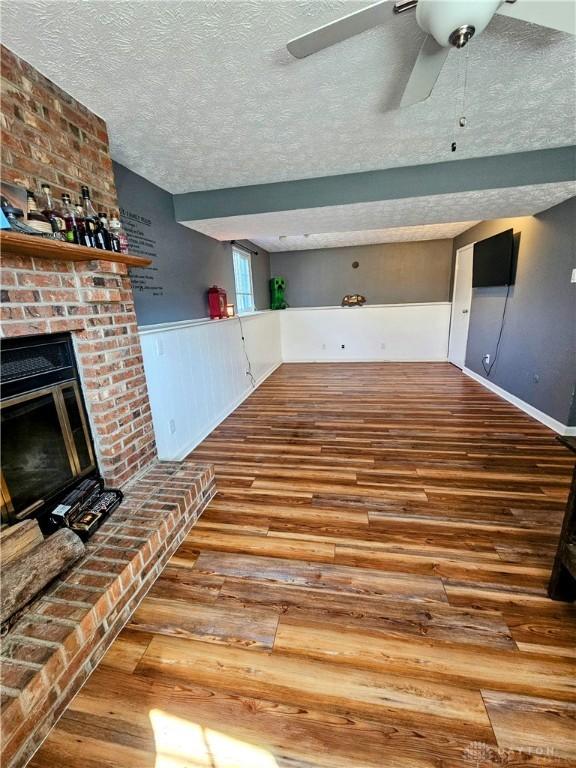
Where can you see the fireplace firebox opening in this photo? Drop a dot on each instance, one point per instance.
(48, 466)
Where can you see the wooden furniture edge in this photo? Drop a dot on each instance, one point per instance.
(46, 248)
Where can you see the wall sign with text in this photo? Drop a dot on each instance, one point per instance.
(139, 231)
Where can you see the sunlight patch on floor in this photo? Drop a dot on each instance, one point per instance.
(183, 744)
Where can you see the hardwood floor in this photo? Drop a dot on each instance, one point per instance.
(367, 590)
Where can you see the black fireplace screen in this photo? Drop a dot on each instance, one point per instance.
(46, 444)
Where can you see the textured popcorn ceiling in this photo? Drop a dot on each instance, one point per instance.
(384, 214)
(201, 95)
(369, 237)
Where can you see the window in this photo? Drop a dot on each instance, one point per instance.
(243, 279)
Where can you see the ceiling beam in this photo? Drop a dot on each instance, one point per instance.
(495, 172)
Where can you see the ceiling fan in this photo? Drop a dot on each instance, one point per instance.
(448, 24)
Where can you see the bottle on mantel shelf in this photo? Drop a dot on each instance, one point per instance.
(37, 220)
(87, 235)
(91, 220)
(117, 231)
(114, 239)
(73, 226)
(53, 212)
(103, 232)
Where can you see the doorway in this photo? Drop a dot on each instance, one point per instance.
(461, 302)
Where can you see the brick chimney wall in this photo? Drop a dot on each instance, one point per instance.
(47, 136)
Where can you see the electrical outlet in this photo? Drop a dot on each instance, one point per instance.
(172, 426)
(383, 346)
(536, 378)
(342, 346)
(323, 346)
(486, 359)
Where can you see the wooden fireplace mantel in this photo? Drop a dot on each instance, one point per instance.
(46, 248)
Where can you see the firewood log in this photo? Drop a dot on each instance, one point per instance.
(19, 539)
(21, 580)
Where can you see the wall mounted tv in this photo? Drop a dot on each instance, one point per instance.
(494, 260)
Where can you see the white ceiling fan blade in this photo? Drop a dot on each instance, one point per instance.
(555, 14)
(426, 69)
(339, 30)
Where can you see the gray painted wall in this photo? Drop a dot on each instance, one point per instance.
(185, 263)
(539, 337)
(391, 273)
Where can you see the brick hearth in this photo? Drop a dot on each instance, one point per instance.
(53, 648)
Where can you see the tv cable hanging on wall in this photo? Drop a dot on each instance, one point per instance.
(488, 369)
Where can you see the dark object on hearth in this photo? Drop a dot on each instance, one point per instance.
(85, 508)
(353, 300)
(562, 585)
(23, 579)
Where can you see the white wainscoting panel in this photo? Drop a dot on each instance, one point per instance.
(369, 333)
(196, 374)
(196, 370)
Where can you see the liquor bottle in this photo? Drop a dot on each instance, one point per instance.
(37, 220)
(104, 232)
(91, 220)
(71, 222)
(99, 234)
(86, 234)
(118, 231)
(53, 212)
(114, 239)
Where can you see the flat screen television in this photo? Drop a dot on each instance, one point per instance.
(494, 260)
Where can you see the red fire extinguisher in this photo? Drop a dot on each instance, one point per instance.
(217, 302)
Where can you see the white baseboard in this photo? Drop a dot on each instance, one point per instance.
(367, 360)
(223, 415)
(543, 418)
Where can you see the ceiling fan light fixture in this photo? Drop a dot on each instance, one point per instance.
(448, 24)
(448, 20)
(459, 37)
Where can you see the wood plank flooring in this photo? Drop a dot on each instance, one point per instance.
(367, 590)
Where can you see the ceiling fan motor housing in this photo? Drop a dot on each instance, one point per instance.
(453, 22)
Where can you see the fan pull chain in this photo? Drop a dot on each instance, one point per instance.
(461, 121)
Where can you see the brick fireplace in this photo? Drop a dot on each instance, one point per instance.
(47, 136)
(92, 300)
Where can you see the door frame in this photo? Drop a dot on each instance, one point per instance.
(456, 263)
